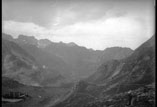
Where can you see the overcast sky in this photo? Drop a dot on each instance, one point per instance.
(94, 24)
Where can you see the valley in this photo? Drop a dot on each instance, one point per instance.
(57, 75)
(78, 53)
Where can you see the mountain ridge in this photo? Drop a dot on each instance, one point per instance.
(134, 72)
(79, 62)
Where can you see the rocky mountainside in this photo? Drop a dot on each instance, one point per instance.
(35, 48)
(117, 77)
(68, 59)
(82, 61)
(54, 56)
(21, 73)
(18, 64)
(46, 60)
(116, 53)
(108, 86)
(134, 68)
(142, 97)
(23, 67)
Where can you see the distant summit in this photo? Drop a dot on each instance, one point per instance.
(27, 39)
(7, 36)
(42, 43)
(71, 44)
(115, 53)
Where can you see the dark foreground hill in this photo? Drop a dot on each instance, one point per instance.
(38, 96)
(141, 97)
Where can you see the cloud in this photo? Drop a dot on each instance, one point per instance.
(54, 12)
(30, 29)
(97, 34)
(104, 27)
(116, 31)
(95, 24)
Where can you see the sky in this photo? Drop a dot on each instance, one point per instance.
(95, 24)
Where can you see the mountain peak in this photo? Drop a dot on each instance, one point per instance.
(71, 44)
(149, 43)
(42, 43)
(7, 36)
(24, 37)
(116, 53)
(27, 39)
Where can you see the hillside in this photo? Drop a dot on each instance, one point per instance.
(115, 76)
(68, 59)
(130, 70)
(38, 96)
(144, 97)
(116, 53)
(23, 67)
(118, 76)
(18, 64)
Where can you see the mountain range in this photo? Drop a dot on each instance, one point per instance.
(116, 77)
(68, 75)
(66, 59)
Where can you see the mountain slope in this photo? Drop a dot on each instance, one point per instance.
(68, 59)
(130, 73)
(142, 97)
(49, 66)
(23, 67)
(51, 62)
(83, 61)
(18, 64)
(117, 76)
(116, 53)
